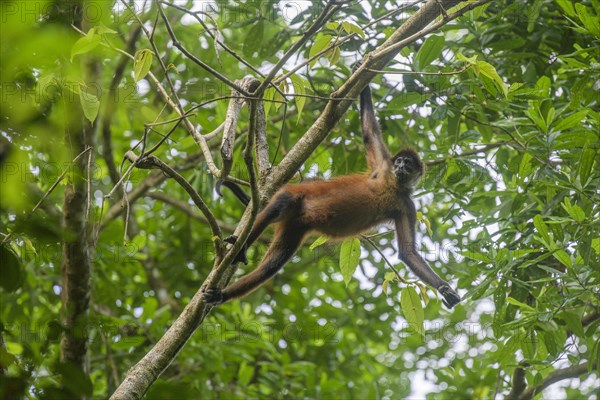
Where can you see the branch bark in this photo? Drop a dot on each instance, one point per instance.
(557, 376)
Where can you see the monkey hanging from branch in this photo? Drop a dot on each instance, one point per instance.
(341, 207)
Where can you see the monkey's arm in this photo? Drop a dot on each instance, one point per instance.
(377, 152)
(405, 231)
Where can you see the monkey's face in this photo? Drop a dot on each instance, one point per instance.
(408, 167)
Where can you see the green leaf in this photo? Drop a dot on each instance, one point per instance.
(563, 257)
(572, 120)
(534, 114)
(346, 27)
(591, 22)
(519, 304)
(254, 39)
(574, 211)
(596, 245)
(245, 374)
(349, 256)
(412, 309)
(586, 163)
(431, 50)
(319, 241)
(299, 89)
(268, 97)
(390, 276)
(85, 44)
(525, 168)
(321, 42)
(488, 70)
(384, 286)
(350, 27)
(424, 294)
(142, 64)
(333, 25)
(468, 60)
(89, 103)
(567, 7)
(577, 92)
(543, 86)
(12, 276)
(102, 29)
(129, 342)
(533, 14)
(573, 321)
(541, 227)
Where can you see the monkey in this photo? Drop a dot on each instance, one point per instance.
(342, 207)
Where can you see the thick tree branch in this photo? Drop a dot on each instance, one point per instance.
(519, 384)
(557, 376)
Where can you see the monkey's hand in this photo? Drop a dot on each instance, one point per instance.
(241, 256)
(451, 298)
(212, 296)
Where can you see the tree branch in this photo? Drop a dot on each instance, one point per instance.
(150, 162)
(557, 376)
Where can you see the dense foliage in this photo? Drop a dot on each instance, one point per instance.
(504, 110)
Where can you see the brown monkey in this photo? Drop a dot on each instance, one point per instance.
(342, 207)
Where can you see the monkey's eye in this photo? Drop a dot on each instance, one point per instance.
(403, 162)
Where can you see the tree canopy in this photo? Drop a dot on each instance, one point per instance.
(118, 118)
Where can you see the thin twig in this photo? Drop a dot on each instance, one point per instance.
(328, 11)
(396, 272)
(9, 235)
(195, 59)
(467, 153)
(150, 162)
(214, 37)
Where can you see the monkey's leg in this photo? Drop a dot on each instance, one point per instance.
(287, 240)
(276, 209)
(409, 255)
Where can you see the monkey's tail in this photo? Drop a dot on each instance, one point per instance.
(235, 189)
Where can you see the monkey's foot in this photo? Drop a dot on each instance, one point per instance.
(212, 296)
(451, 298)
(241, 256)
